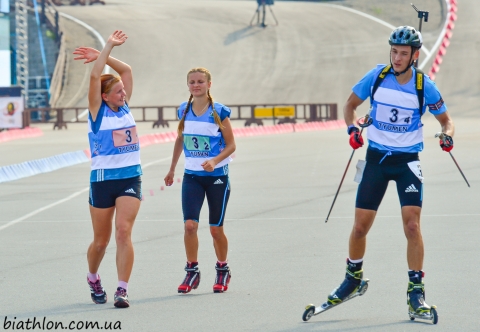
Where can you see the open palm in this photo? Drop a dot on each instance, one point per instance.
(86, 53)
(117, 38)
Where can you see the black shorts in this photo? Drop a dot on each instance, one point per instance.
(104, 193)
(194, 190)
(404, 169)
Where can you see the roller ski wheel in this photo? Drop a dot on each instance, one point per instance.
(432, 315)
(311, 310)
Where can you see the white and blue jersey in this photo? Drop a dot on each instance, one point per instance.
(203, 140)
(397, 125)
(114, 145)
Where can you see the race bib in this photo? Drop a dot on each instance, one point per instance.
(197, 143)
(125, 136)
(393, 119)
(416, 169)
(360, 168)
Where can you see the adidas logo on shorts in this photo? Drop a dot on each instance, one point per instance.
(130, 191)
(411, 189)
(218, 182)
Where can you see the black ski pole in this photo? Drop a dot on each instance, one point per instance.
(367, 121)
(340, 185)
(442, 137)
(451, 155)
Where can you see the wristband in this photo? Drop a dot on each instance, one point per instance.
(349, 128)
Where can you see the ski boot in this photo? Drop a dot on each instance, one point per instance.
(351, 287)
(223, 278)
(417, 307)
(192, 279)
(348, 287)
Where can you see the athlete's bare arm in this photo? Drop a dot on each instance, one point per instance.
(230, 146)
(177, 151)
(350, 109)
(94, 91)
(446, 122)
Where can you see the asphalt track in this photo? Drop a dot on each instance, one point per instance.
(282, 254)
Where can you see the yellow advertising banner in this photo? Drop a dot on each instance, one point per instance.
(278, 111)
(263, 112)
(284, 111)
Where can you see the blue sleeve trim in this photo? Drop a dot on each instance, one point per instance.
(433, 98)
(225, 113)
(99, 175)
(98, 121)
(222, 110)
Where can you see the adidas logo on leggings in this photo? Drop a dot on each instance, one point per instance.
(411, 189)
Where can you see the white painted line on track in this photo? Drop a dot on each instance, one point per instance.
(31, 214)
(16, 221)
(373, 18)
(102, 42)
(86, 26)
(439, 40)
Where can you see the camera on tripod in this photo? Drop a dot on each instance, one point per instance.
(261, 9)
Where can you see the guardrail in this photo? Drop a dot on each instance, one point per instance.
(162, 115)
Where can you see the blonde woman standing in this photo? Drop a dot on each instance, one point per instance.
(205, 135)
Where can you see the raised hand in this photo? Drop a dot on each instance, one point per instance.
(117, 38)
(86, 53)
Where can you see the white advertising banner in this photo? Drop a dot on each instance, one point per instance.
(11, 112)
(4, 6)
(5, 68)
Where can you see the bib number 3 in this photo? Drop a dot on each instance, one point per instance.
(125, 136)
(197, 143)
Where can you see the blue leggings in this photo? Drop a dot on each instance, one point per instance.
(404, 169)
(194, 190)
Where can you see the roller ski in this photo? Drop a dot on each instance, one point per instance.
(354, 285)
(417, 308)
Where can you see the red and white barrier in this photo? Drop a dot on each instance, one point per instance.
(450, 25)
(13, 134)
(157, 138)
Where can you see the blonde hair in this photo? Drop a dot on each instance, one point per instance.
(218, 121)
(108, 81)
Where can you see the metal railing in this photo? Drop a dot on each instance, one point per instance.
(163, 115)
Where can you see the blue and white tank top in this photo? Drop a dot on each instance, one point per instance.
(114, 144)
(397, 125)
(203, 140)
